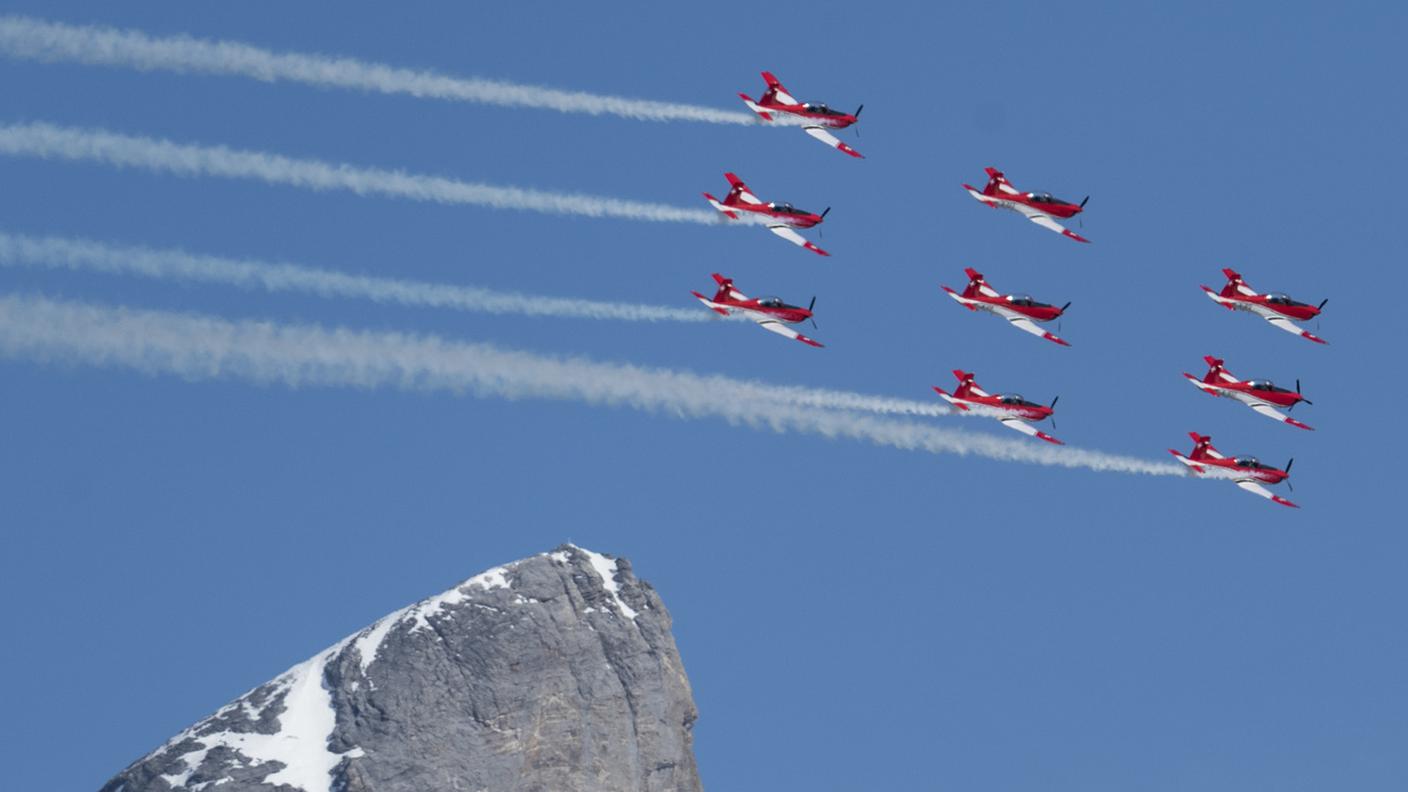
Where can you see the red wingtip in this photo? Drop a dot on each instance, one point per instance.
(815, 249)
(849, 150)
(1298, 424)
(1317, 339)
(1056, 339)
(1048, 438)
(1075, 236)
(1283, 501)
(809, 341)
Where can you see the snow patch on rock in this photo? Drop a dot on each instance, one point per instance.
(300, 745)
(605, 568)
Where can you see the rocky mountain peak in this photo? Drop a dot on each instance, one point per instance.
(555, 673)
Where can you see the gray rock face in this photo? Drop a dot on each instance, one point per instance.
(555, 673)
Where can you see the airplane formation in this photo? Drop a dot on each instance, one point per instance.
(777, 105)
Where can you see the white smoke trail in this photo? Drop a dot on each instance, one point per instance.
(18, 250)
(34, 39)
(200, 347)
(96, 145)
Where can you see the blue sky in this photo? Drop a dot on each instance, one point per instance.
(850, 616)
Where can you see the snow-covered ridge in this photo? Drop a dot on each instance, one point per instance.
(301, 744)
(368, 641)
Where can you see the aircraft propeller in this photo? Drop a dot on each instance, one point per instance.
(823, 214)
(1321, 306)
(1083, 200)
(1064, 307)
(811, 306)
(1302, 398)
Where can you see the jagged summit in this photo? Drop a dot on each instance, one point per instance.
(556, 673)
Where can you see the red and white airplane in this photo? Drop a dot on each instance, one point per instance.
(769, 312)
(776, 101)
(1246, 471)
(1009, 408)
(1019, 309)
(1278, 309)
(1038, 207)
(1259, 395)
(780, 218)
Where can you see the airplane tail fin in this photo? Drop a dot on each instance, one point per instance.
(995, 178)
(725, 287)
(736, 189)
(722, 206)
(965, 382)
(950, 399)
(1201, 444)
(755, 106)
(975, 283)
(774, 88)
(1214, 368)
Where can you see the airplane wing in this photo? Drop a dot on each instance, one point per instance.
(831, 140)
(1291, 327)
(1277, 415)
(1027, 429)
(1255, 488)
(775, 326)
(1023, 323)
(795, 238)
(1046, 222)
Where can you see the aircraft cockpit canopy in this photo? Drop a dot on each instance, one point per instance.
(772, 302)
